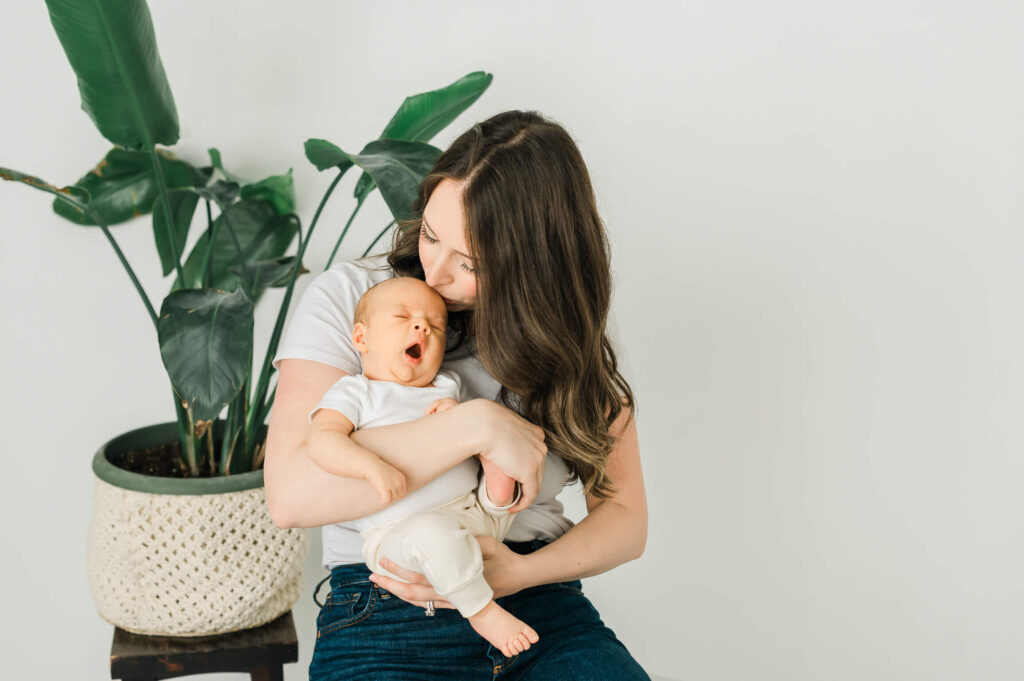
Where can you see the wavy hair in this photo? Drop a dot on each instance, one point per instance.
(543, 276)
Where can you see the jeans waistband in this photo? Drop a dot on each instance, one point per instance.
(351, 572)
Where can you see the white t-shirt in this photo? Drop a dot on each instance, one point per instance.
(320, 328)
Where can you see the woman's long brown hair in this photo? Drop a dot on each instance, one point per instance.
(543, 283)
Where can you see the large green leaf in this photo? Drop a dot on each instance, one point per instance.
(424, 115)
(248, 231)
(77, 197)
(112, 49)
(279, 190)
(396, 166)
(220, 192)
(123, 185)
(324, 155)
(255, 277)
(206, 345)
(183, 206)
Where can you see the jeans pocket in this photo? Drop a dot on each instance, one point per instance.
(346, 605)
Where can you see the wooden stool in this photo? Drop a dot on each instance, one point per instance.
(260, 652)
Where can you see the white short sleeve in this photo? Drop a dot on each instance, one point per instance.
(348, 396)
(320, 326)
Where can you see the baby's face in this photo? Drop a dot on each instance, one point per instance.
(403, 338)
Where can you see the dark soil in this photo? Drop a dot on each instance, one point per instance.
(163, 461)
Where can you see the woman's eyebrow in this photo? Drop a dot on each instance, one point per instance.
(435, 234)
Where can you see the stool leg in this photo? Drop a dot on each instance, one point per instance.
(271, 673)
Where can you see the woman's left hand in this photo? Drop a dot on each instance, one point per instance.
(501, 570)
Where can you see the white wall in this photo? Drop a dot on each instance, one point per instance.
(816, 216)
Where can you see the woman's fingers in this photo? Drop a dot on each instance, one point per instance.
(407, 575)
(517, 447)
(416, 594)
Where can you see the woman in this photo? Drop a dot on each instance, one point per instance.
(509, 235)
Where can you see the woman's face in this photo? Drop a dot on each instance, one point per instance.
(447, 265)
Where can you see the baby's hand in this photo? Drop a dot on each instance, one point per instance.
(387, 481)
(443, 404)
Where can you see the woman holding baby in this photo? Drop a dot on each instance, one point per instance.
(509, 235)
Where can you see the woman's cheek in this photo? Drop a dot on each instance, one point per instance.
(468, 291)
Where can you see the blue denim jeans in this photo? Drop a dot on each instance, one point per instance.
(363, 632)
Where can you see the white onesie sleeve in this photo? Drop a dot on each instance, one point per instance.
(348, 396)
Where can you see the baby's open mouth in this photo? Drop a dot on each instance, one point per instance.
(414, 351)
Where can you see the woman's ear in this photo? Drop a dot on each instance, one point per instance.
(359, 337)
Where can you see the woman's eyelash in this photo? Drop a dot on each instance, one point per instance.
(423, 233)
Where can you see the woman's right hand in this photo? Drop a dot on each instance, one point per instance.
(513, 444)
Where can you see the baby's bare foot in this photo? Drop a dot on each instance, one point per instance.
(501, 489)
(503, 630)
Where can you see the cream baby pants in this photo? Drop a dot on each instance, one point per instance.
(440, 543)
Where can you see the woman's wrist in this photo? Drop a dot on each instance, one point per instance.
(473, 415)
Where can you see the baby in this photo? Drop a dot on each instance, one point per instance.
(400, 335)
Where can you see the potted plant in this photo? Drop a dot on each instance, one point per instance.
(180, 541)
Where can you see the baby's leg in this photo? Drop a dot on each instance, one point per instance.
(500, 487)
(441, 544)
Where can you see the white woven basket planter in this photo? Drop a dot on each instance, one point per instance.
(187, 557)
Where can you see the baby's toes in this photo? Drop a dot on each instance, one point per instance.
(530, 634)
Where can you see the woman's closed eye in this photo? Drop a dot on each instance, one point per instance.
(431, 240)
(423, 233)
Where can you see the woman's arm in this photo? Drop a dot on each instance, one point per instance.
(614, 532)
(300, 494)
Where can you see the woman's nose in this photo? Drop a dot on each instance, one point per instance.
(438, 275)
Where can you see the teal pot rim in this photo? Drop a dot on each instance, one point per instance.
(149, 436)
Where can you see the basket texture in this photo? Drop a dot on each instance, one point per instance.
(191, 565)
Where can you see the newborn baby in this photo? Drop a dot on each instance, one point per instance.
(400, 335)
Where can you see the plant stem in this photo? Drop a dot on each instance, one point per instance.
(374, 242)
(144, 131)
(261, 387)
(127, 267)
(345, 231)
(166, 202)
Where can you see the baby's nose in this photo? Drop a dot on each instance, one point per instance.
(421, 326)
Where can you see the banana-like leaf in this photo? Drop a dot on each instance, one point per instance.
(396, 166)
(279, 190)
(183, 206)
(77, 197)
(216, 161)
(220, 192)
(123, 185)
(112, 48)
(206, 345)
(248, 231)
(424, 115)
(255, 277)
(324, 155)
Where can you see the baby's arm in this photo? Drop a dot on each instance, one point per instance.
(330, 447)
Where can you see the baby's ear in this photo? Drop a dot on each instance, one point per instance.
(359, 337)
